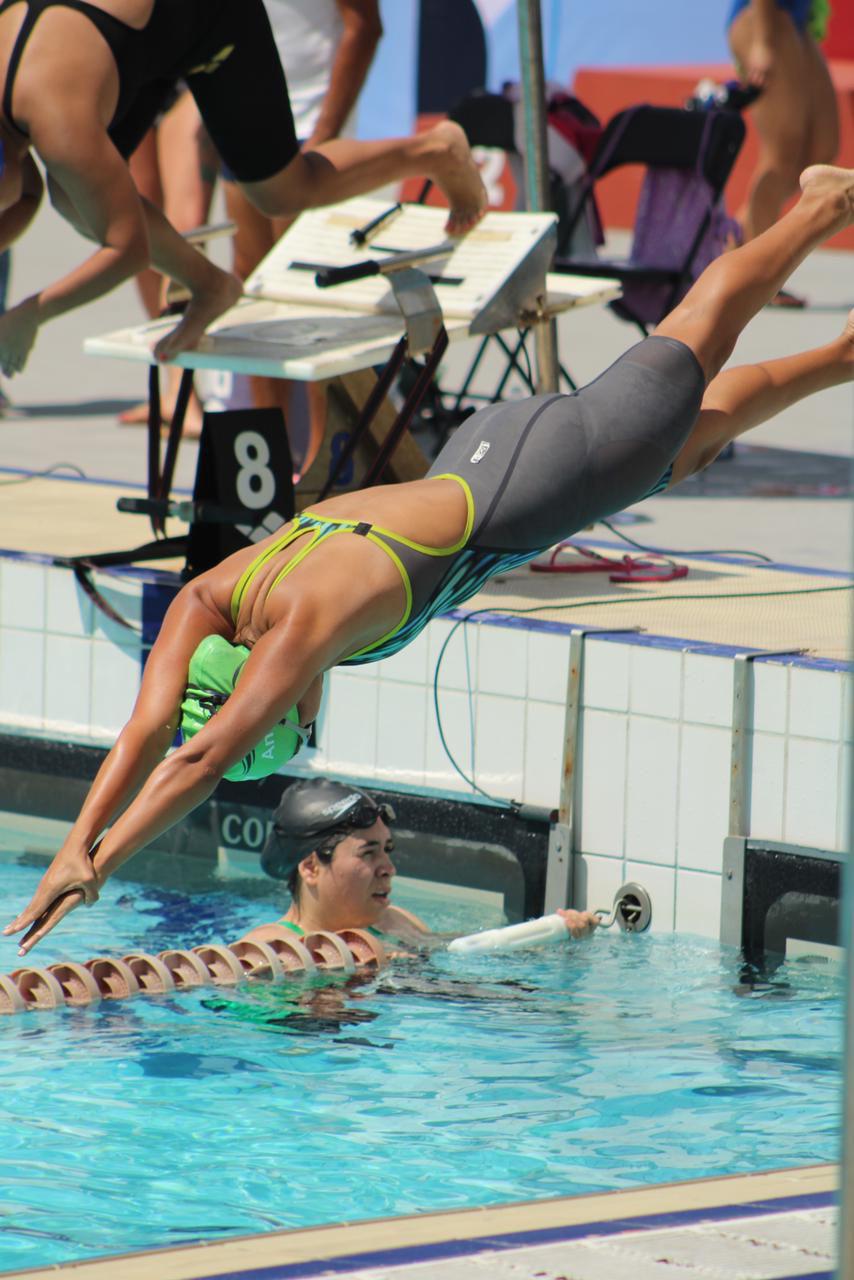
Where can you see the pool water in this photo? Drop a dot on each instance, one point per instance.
(444, 1082)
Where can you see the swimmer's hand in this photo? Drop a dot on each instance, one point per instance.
(69, 880)
(18, 329)
(579, 924)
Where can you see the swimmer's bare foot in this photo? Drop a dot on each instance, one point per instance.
(836, 187)
(452, 167)
(137, 415)
(220, 291)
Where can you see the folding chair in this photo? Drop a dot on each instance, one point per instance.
(659, 138)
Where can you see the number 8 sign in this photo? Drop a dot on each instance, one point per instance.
(244, 466)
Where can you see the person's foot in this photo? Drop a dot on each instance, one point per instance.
(220, 292)
(453, 170)
(137, 414)
(828, 182)
(848, 339)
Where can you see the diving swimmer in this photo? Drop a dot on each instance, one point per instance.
(357, 577)
(81, 84)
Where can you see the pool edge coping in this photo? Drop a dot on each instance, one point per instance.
(343, 1248)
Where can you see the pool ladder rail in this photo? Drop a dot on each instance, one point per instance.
(271, 952)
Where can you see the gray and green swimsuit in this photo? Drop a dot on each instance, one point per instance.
(533, 472)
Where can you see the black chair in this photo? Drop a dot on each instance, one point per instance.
(658, 138)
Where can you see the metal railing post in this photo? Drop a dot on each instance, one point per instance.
(537, 164)
(845, 1270)
(559, 871)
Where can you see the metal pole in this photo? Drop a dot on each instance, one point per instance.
(536, 164)
(846, 1193)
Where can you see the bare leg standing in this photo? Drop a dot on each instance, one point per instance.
(795, 116)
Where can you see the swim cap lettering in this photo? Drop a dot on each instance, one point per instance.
(215, 668)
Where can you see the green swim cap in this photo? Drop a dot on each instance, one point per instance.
(215, 668)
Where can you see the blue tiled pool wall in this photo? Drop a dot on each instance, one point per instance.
(656, 723)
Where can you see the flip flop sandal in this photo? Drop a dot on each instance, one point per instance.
(591, 563)
(787, 301)
(636, 570)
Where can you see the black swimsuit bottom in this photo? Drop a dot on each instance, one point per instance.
(222, 49)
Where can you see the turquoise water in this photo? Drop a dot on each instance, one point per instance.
(445, 1082)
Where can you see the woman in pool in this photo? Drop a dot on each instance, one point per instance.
(332, 844)
(80, 85)
(359, 576)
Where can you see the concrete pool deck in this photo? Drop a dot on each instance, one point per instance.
(767, 1226)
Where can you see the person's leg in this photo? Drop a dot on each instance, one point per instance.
(823, 139)
(781, 115)
(253, 239)
(246, 109)
(738, 284)
(344, 167)
(253, 232)
(187, 164)
(741, 398)
(146, 176)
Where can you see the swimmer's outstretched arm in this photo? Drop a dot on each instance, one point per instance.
(101, 201)
(91, 186)
(281, 670)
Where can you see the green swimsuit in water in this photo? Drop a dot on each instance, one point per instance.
(300, 932)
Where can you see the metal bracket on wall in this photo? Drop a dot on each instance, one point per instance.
(742, 722)
(732, 891)
(562, 835)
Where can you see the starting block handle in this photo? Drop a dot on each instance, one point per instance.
(328, 277)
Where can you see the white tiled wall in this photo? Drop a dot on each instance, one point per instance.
(66, 669)
(653, 768)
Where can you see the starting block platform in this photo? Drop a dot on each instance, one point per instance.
(287, 326)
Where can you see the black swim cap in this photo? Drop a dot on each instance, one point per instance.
(311, 811)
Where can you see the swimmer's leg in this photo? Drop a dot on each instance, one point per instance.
(741, 398)
(344, 167)
(738, 284)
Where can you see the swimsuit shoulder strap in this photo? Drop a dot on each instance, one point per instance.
(293, 530)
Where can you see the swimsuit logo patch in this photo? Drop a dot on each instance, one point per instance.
(481, 451)
(208, 68)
